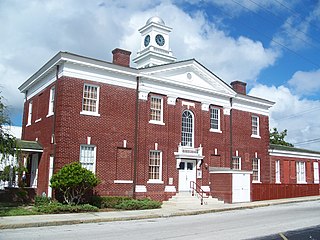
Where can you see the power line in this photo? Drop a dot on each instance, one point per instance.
(315, 140)
(277, 42)
(282, 19)
(297, 114)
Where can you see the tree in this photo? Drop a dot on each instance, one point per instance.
(73, 181)
(277, 137)
(8, 143)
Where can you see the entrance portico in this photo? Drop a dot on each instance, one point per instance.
(188, 161)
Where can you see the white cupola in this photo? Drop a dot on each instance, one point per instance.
(154, 47)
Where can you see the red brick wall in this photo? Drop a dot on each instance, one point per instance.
(288, 174)
(222, 188)
(116, 123)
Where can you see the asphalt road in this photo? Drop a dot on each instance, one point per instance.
(273, 222)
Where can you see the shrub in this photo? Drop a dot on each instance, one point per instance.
(73, 181)
(41, 200)
(108, 201)
(139, 204)
(56, 207)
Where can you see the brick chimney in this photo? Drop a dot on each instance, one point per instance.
(121, 57)
(239, 87)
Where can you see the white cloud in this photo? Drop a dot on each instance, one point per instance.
(36, 30)
(306, 83)
(298, 115)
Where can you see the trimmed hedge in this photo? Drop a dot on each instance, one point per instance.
(138, 204)
(125, 203)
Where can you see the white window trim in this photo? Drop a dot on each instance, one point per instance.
(156, 181)
(277, 171)
(316, 172)
(161, 111)
(51, 102)
(29, 120)
(258, 127)
(239, 162)
(192, 144)
(259, 171)
(89, 113)
(298, 172)
(219, 121)
(95, 156)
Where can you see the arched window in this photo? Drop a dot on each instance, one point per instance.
(187, 129)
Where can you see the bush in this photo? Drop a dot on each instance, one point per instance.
(73, 181)
(56, 207)
(108, 201)
(139, 204)
(41, 200)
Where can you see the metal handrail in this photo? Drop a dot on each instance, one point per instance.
(196, 188)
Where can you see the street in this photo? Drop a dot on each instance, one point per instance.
(273, 221)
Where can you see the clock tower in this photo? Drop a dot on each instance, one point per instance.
(154, 48)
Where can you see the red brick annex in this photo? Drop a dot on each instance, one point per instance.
(158, 128)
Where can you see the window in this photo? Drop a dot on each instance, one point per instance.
(156, 109)
(215, 119)
(316, 172)
(187, 129)
(255, 126)
(155, 166)
(256, 170)
(51, 102)
(301, 172)
(88, 157)
(236, 163)
(278, 171)
(29, 114)
(90, 100)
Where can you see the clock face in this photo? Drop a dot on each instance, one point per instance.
(160, 40)
(146, 40)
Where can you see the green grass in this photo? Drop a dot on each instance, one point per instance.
(14, 209)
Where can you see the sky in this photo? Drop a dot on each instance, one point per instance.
(272, 45)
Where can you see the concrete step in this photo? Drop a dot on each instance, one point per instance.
(186, 199)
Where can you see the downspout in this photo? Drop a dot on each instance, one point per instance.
(136, 128)
(231, 133)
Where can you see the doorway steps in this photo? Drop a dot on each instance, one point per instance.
(185, 200)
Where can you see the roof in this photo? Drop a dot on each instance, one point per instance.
(29, 146)
(280, 150)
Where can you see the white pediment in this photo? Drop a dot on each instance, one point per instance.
(189, 74)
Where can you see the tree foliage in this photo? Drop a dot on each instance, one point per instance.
(277, 137)
(8, 143)
(73, 181)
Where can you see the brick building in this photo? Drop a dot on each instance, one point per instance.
(147, 131)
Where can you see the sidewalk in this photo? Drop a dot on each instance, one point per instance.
(165, 211)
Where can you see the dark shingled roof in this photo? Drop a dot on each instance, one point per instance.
(292, 149)
(29, 145)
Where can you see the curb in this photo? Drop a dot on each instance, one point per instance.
(149, 216)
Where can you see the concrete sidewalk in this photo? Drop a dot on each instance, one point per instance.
(165, 211)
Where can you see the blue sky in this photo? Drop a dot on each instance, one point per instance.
(273, 45)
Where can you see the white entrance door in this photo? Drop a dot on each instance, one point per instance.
(34, 171)
(240, 187)
(187, 173)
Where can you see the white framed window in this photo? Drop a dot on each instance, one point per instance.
(236, 163)
(187, 129)
(29, 113)
(156, 110)
(277, 168)
(315, 172)
(301, 172)
(51, 102)
(215, 119)
(88, 157)
(90, 100)
(155, 166)
(255, 126)
(256, 170)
